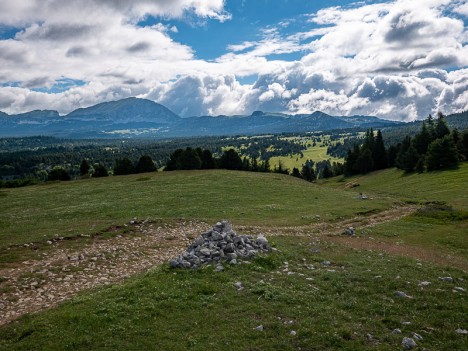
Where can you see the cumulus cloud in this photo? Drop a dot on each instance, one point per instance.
(400, 59)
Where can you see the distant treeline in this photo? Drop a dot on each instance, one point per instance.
(434, 147)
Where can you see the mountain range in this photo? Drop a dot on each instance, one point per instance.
(134, 117)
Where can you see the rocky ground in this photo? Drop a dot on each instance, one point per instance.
(65, 270)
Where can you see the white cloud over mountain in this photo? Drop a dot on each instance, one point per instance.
(399, 59)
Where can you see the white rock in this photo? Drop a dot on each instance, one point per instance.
(408, 343)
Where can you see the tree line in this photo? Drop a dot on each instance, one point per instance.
(434, 147)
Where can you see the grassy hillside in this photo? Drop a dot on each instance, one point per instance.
(349, 305)
(449, 186)
(441, 225)
(38, 213)
(332, 292)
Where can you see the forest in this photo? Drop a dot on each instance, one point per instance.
(25, 161)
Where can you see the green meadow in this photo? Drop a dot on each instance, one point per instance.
(301, 301)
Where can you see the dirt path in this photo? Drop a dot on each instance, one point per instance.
(39, 284)
(36, 285)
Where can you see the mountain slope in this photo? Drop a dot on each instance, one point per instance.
(133, 117)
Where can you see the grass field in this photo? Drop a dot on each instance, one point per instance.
(38, 213)
(349, 304)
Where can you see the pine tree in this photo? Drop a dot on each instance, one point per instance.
(326, 172)
(145, 164)
(442, 153)
(295, 173)
(84, 167)
(409, 159)
(308, 173)
(379, 154)
(123, 166)
(364, 163)
(423, 139)
(350, 160)
(100, 171)
(441, 128)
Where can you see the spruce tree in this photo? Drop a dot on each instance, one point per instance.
(145, 164)
(295, 173)
(441, 128)
(84, 167)
(379, 154)
(423, 139)
(442, 153)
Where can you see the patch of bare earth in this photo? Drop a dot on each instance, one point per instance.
(35, 285)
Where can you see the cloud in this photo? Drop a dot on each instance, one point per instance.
(397, 59)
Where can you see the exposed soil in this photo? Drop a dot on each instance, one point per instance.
(39, 284)
(64, 271)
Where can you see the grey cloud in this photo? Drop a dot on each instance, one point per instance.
(10, 52)
(38, 82)
(77, 51)
(403, 30)
(439, 59)
(381, 88)
(140, 46)
(56, 32)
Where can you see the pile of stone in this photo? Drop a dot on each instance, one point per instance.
(220, 244)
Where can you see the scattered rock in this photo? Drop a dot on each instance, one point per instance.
(402, 294)
(219, 268)
(461, 331)
(293, 333)
(408, 343)
(370, 337)
(424, 283)
(396, 331)
(447, 279)
(220, 243)
(350, 231)
(459, 289)
(259, 328)
(239, 286)
(417, 337)
(326, 263)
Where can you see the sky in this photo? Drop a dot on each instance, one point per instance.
(399, 60)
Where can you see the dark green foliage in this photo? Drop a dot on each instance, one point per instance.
(350, 160)
(58, 173)
(441, 128)
(337, 169)
(379, 154)
(420, 165)
(364, 163)
(230, 160)
(189, 160)
(207, 160)
(327, 172)
(84, 167)
(100, 171)
(423, 139)
(280, 168)
(145, 164)
(17, 183)
(296, 173)
(442, 153)
(464, 144)
(407, 160)
(391, 155)
(123, 166)
(308, 173)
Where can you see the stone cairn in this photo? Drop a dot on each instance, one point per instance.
(218, 244)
